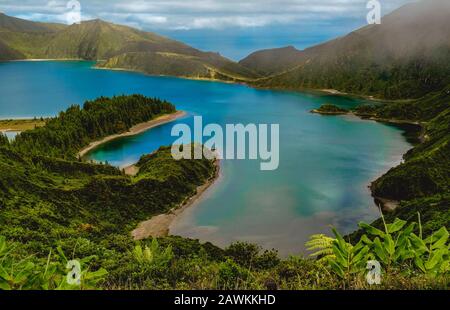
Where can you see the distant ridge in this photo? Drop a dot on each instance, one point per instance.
(117, 46)
(272, 61)
(407, 56)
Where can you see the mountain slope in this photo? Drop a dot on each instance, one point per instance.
(97, 39)
(203, 66)
(119, 47)
(8, 23)
(407, 56)
(7, 53)
(21, 39)
(272, 61)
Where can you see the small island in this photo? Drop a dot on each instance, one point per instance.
(330, 109)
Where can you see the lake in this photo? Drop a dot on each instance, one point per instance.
(326, 162)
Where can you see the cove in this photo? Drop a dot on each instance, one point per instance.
(326, 162)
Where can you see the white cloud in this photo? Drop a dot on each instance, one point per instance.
(221, 22)
(198, 14)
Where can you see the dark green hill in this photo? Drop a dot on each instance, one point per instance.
(407, 56)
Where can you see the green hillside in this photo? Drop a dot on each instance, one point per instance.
(7, 53)
(116, 46)
(407, 56)
(174, 64)
(422, 182)
(99, 40)
(272, 61)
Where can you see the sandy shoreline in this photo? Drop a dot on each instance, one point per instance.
(134, 130)
(45, 59)
(159, 225)
(168, 76)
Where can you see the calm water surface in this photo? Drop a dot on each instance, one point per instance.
(326, 163)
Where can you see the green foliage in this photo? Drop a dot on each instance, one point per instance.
(31, 273)
(90, 209)
(153, 254)
(420, 110)
(231, 275)
(3, 140)
(420, 184)
(330, 109)
(46, 200)
(75, 128)
(426, 171)
(349, 259)
(396, 247)
(322, 246)
(250, 256)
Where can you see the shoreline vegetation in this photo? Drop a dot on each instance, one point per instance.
(329, 109)
(135, 130)
(159, 225)
(420, 182)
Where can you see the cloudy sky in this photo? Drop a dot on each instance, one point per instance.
(233, 27)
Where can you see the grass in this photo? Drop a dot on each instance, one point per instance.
(21, 124)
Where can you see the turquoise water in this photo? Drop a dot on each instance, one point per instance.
(326, 162)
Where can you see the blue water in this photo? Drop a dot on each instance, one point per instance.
(11, 135)
(326, 163)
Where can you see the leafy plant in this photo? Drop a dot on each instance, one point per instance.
(431, 255)
(395, 247)
(398, 245)
(391, 246)
(349, 259)
(322, 246)
(153, 255)
(30, 274)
